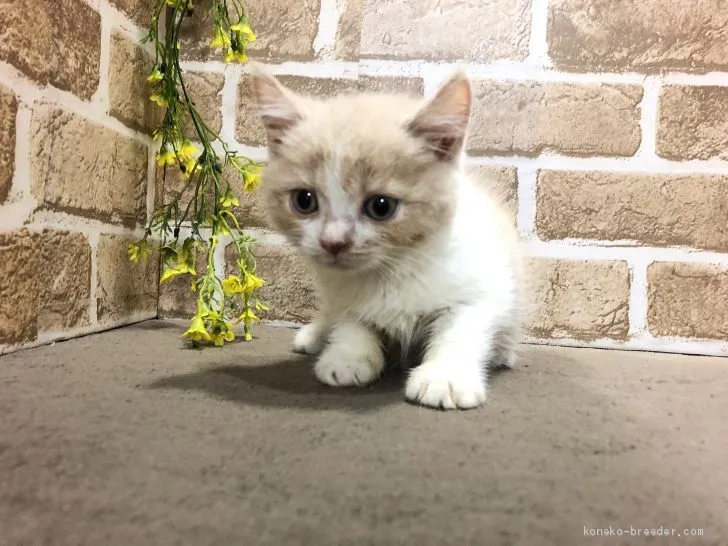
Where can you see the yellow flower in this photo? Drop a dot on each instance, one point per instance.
(219, 39)
(159, 100)
(232, 285)
(252, 282)
(165, 157)
(232, 56)
(261, 306)
(228, 199)
(247, 317)
(223, 333)
(251, 178)
(155, 76)
(179, 269)
(243, 27)
(191, 166)
(139, 251)
(197, 330)
(187, 151)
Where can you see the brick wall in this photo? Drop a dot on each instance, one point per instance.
(76, 179)
(603, 124)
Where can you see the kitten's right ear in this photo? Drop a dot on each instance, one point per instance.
(443, 122)
(277, 106)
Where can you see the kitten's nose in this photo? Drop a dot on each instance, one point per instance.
(334, 246)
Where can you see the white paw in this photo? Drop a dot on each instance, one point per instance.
(441, 386)
(353, 359)
(309, 340)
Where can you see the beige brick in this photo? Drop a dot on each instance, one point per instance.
(289, 290)
(177, 299)
(501, 183)
(205, 90)
(577, 299)
(20, 272)
(285, 29)
(65, 281)
(688, 300)
(646, 36)
(530, 118)
(446, 29)
(348, 34)
(654, 209)
(123, 288)
(248, 127)
(128, 88)
(53, 42)
(8, 112)
(83, 168)
(693, 123)
(409, 86)
(139, 11)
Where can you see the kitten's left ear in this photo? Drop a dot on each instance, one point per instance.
(443, 122)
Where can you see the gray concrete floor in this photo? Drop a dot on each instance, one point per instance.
(129, 438)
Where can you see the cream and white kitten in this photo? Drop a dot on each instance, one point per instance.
(371, 190)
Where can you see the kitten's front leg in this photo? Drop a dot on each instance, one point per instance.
(311, 338)
(353, 356)
(453, 371)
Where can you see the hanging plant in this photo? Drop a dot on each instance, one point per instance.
(203, 209)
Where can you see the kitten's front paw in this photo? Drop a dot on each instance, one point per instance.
(441, 386)
(309, 340)
(354, 359)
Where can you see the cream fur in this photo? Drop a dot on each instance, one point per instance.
(446, 266)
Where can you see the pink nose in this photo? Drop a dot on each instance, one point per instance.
(334, 246)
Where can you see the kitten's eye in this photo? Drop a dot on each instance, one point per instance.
(380, 207)
(304, 201)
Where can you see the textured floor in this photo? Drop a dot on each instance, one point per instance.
(128, 438)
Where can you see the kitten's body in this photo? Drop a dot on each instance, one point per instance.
(445, 265)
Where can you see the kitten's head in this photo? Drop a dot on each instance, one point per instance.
(355, 180)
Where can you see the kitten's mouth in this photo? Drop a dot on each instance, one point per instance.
(340, 263)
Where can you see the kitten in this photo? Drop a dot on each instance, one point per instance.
(371, 190)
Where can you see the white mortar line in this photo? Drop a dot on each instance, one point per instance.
(267, 237)
(526, 216)
(538, 48)
(320, 69)
(648, 120)
(553, 161)
(638, 304)
(599, 250)
(120, 20)
(218, 258)
(719, 79)
(655, 165)
(256, 153)
(328, 23)
(501, 69)
(88, 226)
(92, 111)
(20, 202)
(674, 345)
(151, 179)
(102, 93)
(229, 105)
